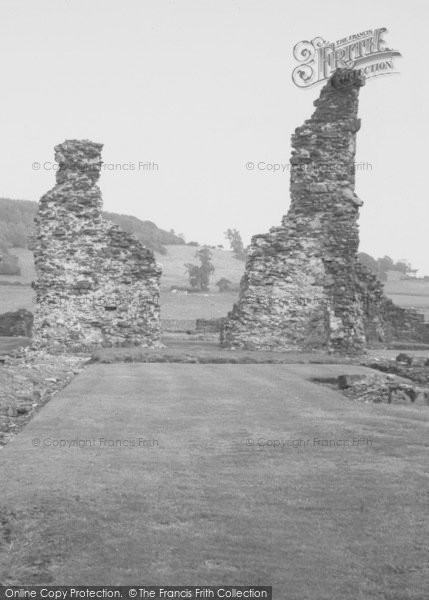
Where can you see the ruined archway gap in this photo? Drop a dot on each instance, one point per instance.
(303, 287)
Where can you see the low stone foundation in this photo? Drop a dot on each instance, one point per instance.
(384, 321)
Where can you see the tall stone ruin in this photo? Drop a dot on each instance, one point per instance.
(303, 287)
(299, 290)
(96, 285)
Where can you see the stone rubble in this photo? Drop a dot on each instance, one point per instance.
(414, 368)
(28, 380)
(390, 389)
(404, 380)
(96, 284)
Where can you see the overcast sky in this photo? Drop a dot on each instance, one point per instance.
(201, 88)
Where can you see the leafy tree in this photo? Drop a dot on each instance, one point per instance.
(403, 266)
(385, 264)
(369, 262)
(199, 275)
(236, 243)
(223, 284)
(380, 266)
(9, 265)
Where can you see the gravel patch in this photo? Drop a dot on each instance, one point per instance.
(28, 380)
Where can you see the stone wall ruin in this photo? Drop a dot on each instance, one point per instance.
(96, 285)
(303, 288)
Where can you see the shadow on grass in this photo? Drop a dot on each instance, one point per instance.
(211, 353)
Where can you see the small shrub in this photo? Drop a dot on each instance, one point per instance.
(9, 265)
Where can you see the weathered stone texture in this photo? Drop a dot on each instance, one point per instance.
(299, 289)
(303, 287)
(96, 285)
(384, 321)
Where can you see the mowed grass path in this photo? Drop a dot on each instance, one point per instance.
(202, 506)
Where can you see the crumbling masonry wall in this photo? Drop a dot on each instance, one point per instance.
(384, 321)
(299, 288)
(303, 287)
(96, 284)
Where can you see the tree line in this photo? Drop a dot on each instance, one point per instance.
(200, 274)
(380, 266)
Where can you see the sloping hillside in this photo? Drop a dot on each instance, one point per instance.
(147, 232)
(16, 226)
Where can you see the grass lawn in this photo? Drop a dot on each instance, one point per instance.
(213, 501)
(196, 306)
(420, 303)
(410, 294)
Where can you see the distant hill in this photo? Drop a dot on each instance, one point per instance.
(16, 227)
(147, 232)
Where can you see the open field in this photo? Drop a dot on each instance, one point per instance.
(191, 306)
(27, 266)
(173, 306)
(410, 294)
(174, 273)
(413, 287)
(13, 297)
(206, 497)
(7, 344)
(196, 306)
(407, 293)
